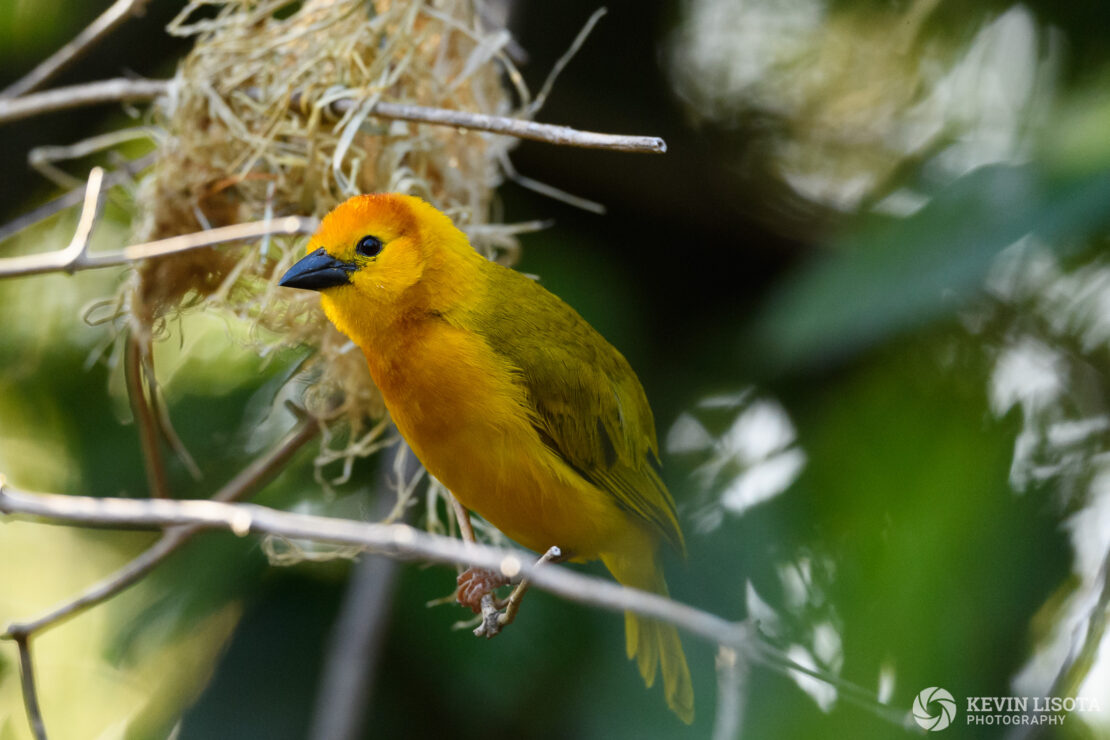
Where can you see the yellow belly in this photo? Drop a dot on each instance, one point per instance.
(454, 401)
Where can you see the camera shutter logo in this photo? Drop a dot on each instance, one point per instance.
(940, 702)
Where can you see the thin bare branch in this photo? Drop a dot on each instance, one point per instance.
(403, 541)
(1080, 657)
(119, 12)
(58, 261)
(250, 479)
(79, 244)
(119, 581)
(44, 159)
(522, 129)
(125, 174)
(162, 417)
(122, 89)
(115, 90)
(564, 60)
(732, 674)
(549, 191)
(30, 694)
(397, 540)
(496, 16)
(156, 479)
(353, 650)
(355, 644)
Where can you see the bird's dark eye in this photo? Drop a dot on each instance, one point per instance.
(369, 246)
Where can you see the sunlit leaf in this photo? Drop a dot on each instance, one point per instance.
(897, 274)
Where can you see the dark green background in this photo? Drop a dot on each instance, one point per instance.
(709, 280)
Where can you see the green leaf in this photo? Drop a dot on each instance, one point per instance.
(893, 275)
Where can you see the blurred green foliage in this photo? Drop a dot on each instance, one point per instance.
(906, 272)
(711, 274)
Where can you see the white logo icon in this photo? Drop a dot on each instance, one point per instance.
(941, 702)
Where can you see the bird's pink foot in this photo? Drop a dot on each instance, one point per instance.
(474, 583)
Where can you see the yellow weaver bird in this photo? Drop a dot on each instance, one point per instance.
(508, 397)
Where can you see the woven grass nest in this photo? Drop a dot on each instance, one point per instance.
(251, 131)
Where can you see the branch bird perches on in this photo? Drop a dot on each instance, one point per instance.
(405, 542)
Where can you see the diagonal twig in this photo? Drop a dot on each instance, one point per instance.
(119, 12)
(45, 159)
(30, 695)
(357, 637)
(520, 128)
(549, 191)
(58, 261)
(250, 479)
(512, 606)
(116, 90)
(125, 174)
(564, 60)
(153, 464)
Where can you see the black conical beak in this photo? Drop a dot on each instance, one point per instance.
(318, 271)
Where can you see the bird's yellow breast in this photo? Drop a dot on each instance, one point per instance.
(455, 401)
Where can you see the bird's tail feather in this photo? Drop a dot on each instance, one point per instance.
(653, 644)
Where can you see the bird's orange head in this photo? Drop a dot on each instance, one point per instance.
(378, 257)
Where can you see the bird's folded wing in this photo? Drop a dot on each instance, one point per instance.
(586, 402)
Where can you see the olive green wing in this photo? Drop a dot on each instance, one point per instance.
(587, 402)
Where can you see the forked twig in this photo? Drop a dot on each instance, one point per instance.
(59, 261)
(250, 479)
(124, 174)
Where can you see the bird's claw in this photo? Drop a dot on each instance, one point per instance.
(474, 583)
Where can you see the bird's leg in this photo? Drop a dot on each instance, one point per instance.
(473, 585)
(462, 516)
(493, 618)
